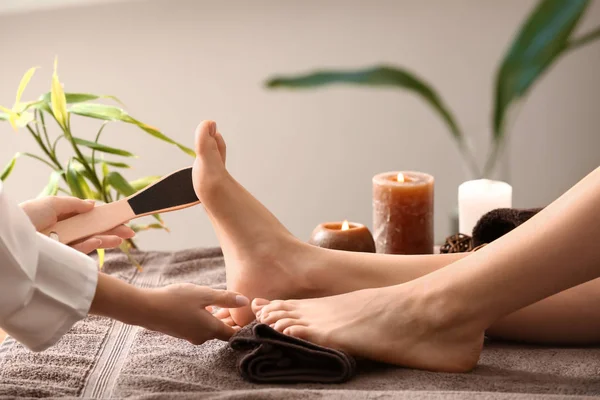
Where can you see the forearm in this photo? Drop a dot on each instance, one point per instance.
(119, 300)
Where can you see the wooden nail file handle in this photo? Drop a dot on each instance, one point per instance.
(101, 219)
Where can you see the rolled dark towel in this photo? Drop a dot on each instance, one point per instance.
(267, 356)
(499, 222)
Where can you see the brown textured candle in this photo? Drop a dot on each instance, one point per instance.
(403, 212)
(348, 236)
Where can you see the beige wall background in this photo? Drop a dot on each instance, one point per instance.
(309, 156)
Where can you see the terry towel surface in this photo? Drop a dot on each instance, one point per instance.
(267, 356)
(103, 359)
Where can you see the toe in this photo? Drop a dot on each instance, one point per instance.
(207, 148)
(258, 304)
(221, 146)
(274, 316)
(282, 324)
(298, 331)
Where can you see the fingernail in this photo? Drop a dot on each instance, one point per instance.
(213, 128)
(241, 300)
(258, 314)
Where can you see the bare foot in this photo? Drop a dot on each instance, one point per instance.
(396, 325)
(262, 258)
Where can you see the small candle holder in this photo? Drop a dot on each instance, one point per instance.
(347, 236)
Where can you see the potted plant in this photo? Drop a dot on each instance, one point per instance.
(86, 171)
(544, 37)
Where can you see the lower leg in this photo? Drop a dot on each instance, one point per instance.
(437, 321)
(256, 245)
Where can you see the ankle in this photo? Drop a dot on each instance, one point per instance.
(444, 309)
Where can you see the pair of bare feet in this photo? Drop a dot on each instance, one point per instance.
(402, 325)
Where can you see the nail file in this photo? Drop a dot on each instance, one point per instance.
(173, 192)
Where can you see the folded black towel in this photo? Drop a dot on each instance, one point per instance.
(267, 356)
(499, 222)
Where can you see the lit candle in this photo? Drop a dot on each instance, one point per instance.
(477, 197)
(348, 236)
(403, 212)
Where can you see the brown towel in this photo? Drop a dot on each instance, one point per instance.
(499, 222)
(267, 356)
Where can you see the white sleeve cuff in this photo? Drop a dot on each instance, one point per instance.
(65, 285)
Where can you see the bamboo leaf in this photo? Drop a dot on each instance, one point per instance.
(102, 148)
(112, 113)
(57, 99)
(9, 167)
(77, 184)
(100, 253)
(105, 169)
(23, 84)
(141, 183)
(539, 42)
(23, 119)
(120, 184)
(11, 116)
(157, 134)
(72, 98)
(140, 228)
(111, 163)
(51, 188)
(125, 248)
(381, 76)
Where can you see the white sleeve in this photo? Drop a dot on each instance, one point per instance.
(45, 286)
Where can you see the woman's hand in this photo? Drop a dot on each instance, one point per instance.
(185, 311)
(47, 211)
(180, 310)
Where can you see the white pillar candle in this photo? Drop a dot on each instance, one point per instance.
(476, 198)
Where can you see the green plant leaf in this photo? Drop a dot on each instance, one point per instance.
(140, 228)
(51, 188)
(73, 98)
(102, 148)
(157, 134)
(23, 84)
(111, 163)
(9, 167)
(4, 116)
(120, 184)
(383, 76)
(141, 183)
(125, 248)
(100, 253)
(77, 183)
(58, 101)
(540, 40)
(112, 113)
(105, 169)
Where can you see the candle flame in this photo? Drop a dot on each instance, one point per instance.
(345, 225)
(400, 177)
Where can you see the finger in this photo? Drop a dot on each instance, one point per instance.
(65, 207)
(122, 231)
(222, 313)
(88, 245)
(225, 298)
(109, 242)
(228, 321)
(220, 330)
